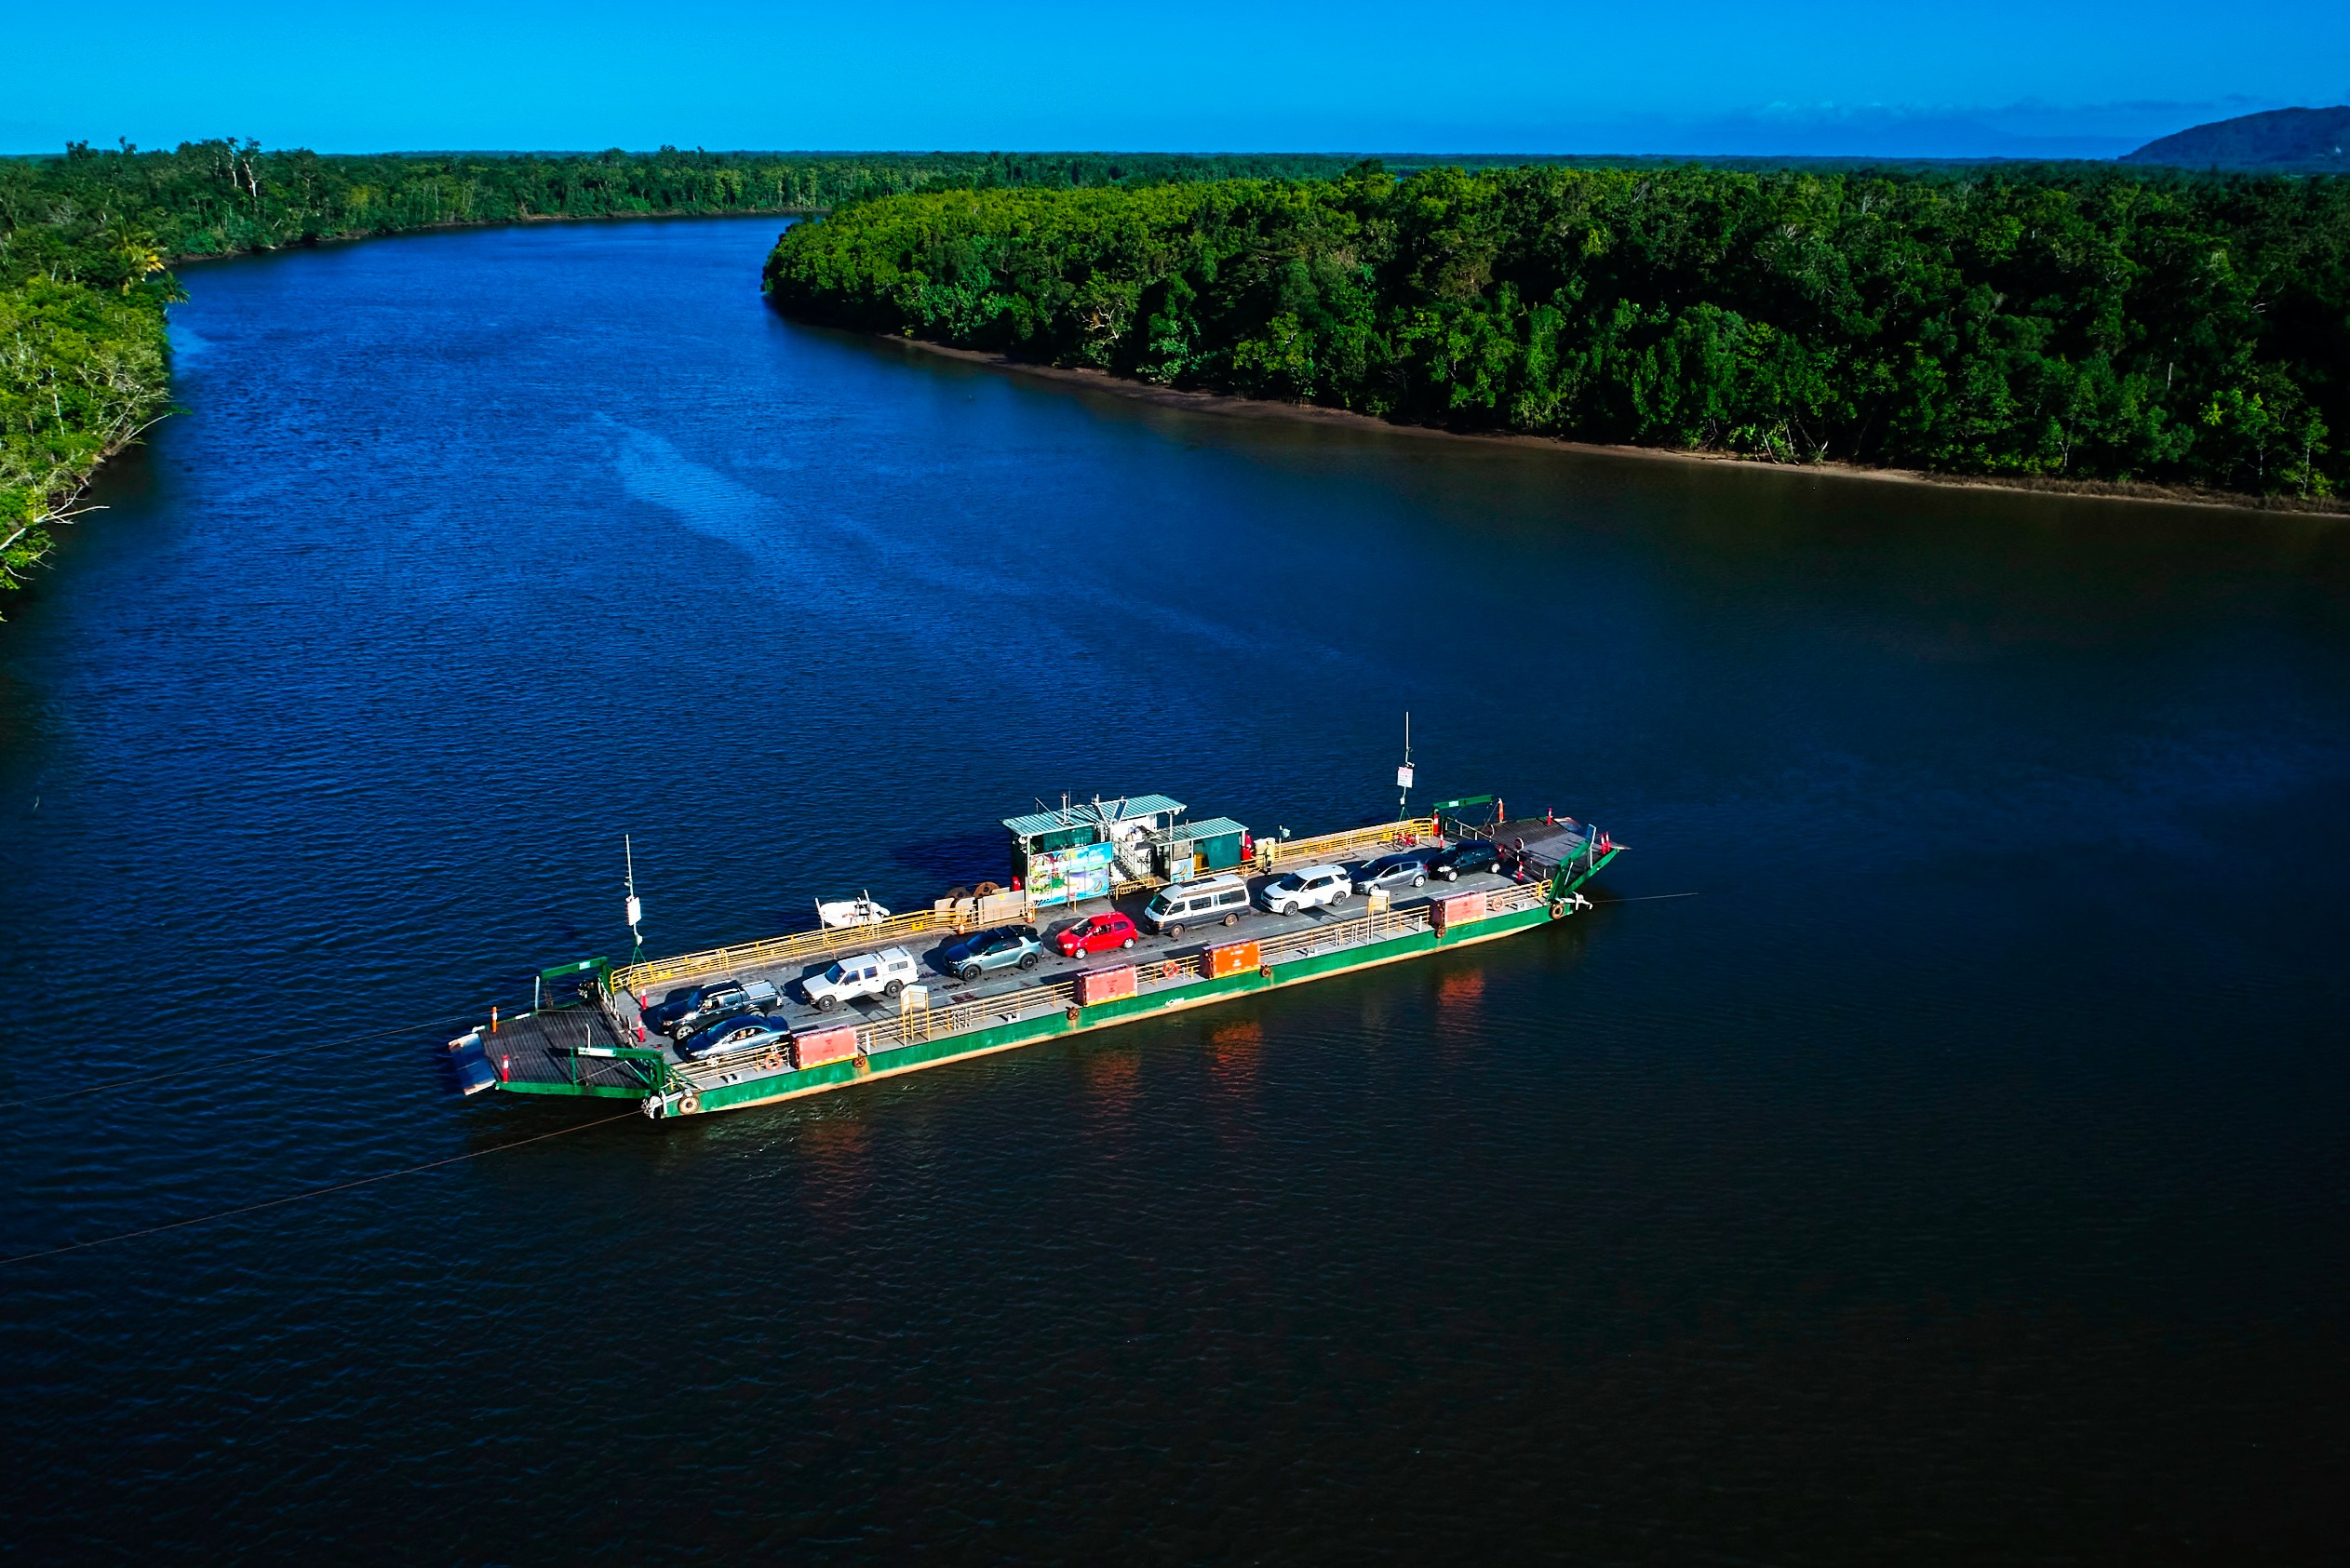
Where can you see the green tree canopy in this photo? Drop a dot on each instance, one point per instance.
(2068, 321)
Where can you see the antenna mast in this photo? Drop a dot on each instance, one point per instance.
(635, 907)
(1403, 775)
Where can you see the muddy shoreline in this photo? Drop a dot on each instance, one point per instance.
(1233, 407)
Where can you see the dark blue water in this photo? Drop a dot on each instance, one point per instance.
(1959, 1174)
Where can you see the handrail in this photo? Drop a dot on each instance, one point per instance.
(1517, 896)
(781, 949)
(1272, 852)
(1375, 927)
(891, 1031)
(823, 943)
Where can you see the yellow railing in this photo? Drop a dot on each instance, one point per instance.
(1520, 895)
(801, 945)
(1272, 852)
(888, 1031)
(807, 945)
(1362, 928)
(892, 1030)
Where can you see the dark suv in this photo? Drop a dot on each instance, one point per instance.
(970, 956)
(1461, 859)
(682, 1012)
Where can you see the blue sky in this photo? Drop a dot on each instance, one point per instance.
(2052, 78)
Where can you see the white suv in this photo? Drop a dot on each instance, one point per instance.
(884, 973)
(1307, 888)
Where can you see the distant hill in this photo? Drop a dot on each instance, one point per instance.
(2282, 140)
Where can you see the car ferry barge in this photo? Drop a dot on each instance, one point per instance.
(597, 1031)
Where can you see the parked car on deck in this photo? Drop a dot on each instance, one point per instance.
(1196, 904)
(693, 1007)
(884, 973)
(747, 1031)
(1477, 854)
(967, 958)
(1096, 933)
(1308, 888)
(1408, 869)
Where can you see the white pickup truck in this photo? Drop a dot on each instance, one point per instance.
(884, 973)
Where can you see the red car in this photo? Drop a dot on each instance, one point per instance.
(1097, 934)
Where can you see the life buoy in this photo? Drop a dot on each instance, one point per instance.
(689, 1104)
(1072, 1015)
(1265, 970)
(1558, 910)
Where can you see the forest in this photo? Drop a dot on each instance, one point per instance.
(87, 240)
(2065, 322)
(2071, 321)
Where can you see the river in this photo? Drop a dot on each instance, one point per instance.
(1956, 1170)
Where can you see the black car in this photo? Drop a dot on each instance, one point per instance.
(1477, 854)
(683, 1011)
(970, 956)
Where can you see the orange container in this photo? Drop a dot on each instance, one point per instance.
(1233, 958)
(1459, 910)
(1097, 986)
(817, 1047)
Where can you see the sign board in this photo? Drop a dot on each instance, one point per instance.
(1404, 777)
(1464, 800)
(1070, 875)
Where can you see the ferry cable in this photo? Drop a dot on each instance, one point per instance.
(316, 1191)
(138, 1078)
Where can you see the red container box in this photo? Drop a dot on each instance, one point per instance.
(1233, 958)
(1097, 986)
(1459, 910)
(836, 1044)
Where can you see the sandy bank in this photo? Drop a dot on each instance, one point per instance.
(1254, 407)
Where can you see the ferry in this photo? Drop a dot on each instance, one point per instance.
(1093, 930)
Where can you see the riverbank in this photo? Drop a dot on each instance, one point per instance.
(1233, 407)
(87, 235)
(1786, 319)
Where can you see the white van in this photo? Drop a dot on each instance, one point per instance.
(1195, 904)
(1308, 887)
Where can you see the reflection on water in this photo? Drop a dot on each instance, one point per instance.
(1955, 1176)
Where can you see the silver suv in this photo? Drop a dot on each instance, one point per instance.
(1408, 869)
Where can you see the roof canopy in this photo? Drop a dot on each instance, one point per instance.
(1213, 828)
(1083, 814)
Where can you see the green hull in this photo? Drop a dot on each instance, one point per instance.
(915, 1057)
